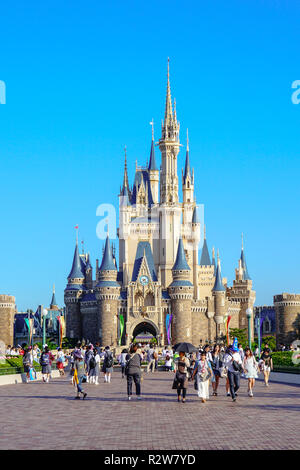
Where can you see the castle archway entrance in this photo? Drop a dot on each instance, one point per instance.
(144, 332)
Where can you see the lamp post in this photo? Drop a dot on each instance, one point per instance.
(249, 315)
(44, 312)
(258, 332)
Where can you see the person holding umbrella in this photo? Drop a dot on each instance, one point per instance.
(180, 382)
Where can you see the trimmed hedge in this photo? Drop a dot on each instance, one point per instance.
(284, 358)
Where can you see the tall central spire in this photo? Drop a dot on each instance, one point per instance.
(169, 109)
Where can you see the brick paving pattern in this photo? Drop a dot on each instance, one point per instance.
(46, 416)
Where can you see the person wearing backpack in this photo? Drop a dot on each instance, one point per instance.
(133, 371)
(233, 362)
(46, 361)
(89, 354)
(27, 362)
(108, 364)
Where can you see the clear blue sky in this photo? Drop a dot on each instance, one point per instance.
(85, 78)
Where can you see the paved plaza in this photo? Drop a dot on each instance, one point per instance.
(46, 416)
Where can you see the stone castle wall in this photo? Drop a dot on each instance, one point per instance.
(287, 310)
(7, 315)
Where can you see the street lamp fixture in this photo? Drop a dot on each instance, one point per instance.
(249, 315)
(44, 314)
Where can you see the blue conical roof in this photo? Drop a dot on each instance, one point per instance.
(205, 258)
(152, 162)
(245, 269)
(187, 169)
(76, 271)
(108, 263)
(195, 219)
(218, 282)
(181, 262)
(53, 300)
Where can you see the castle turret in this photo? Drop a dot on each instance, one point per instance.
(187, 178)
(219, 293)
(73, 292)
(88, 273)
(153, 171)
(181, 293)
(53, 303)
(107, 294)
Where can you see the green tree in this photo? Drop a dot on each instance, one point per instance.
(240, 334)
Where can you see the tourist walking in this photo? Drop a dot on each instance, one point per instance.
(79, 374)
(122, 361)
(216, 365)
(202, 372)
(150, 360)
(233, 362)
(267, 365)
(94, 367)
(133, 371)
(27, 362)
(180, 382)
(46, 361)
(60, 362)
(89, 353)
(250, 369)
(108, 364)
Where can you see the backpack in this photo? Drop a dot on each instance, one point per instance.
(92, 362)
(45, 361)
(109, 361)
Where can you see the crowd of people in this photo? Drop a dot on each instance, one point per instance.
(203, 367)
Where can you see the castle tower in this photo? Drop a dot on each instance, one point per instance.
(196, 239)
(187, 178)
(7, 315)
(153, 171)
(170, 209)
(107, 295)
(242, 292)
(73, 292)
(206, 271)
(219, 294)
(287, 308)
(169, 147)
(181, 293)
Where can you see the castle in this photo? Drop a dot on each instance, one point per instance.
(159, 285)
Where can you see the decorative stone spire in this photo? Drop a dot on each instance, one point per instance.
(218, 287)
(195, 219)
(168, 108)
(125, 178)
(246, 276)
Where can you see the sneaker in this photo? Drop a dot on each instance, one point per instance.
(228, 394)
(129, 398)
(234, 399)
(77, 398)
(84, 395)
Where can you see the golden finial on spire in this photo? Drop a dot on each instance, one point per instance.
(53, 288)
(242, 241)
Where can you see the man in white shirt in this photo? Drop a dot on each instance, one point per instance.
(231, 360)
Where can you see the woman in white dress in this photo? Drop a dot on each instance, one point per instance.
(203, 372)
(250, 367)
